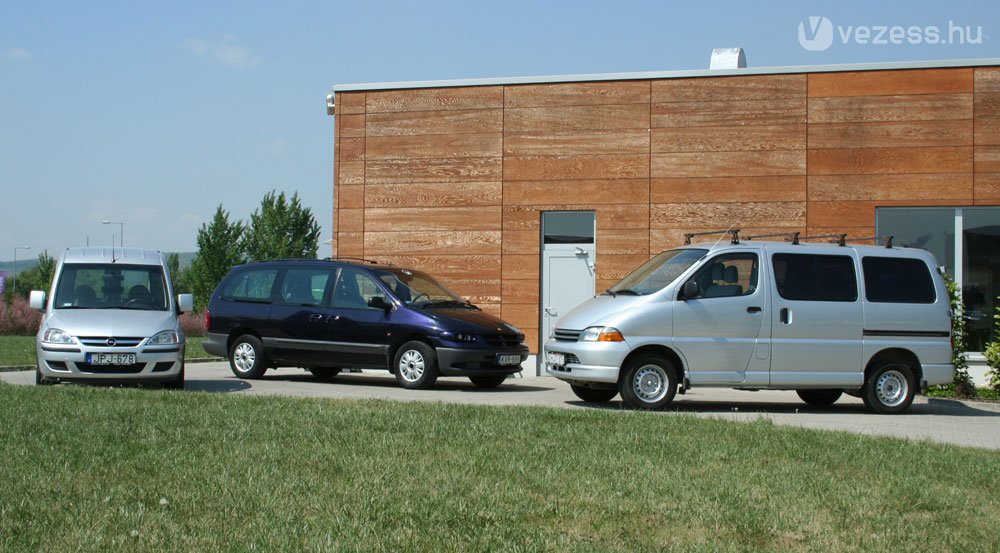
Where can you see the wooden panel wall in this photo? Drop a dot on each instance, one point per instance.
(454, 180)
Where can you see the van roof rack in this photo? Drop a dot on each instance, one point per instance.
(361, 259)
(793, 237)
(888, 240)
(735, 232)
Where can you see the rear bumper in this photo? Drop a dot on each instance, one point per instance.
(938, 374)
(215, 344)
(478, 362)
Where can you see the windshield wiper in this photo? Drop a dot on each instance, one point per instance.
(628, 292)
(609, 292)
(448, 303)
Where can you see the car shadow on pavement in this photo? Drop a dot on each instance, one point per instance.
(457, 384)
(217, 386)
(935, 407)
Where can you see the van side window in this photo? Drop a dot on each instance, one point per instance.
(727, 276)
(253, 285)
(897, 280)
(304, 286)
(355, 288)
(812, 277)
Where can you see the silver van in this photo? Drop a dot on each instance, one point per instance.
(111, 316)
(820, 319)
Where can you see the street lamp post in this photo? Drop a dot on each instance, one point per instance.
(121, 232)
(15, 265)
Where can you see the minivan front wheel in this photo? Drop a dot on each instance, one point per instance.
(648, 382)
(890, 388)
(246, 357)
(415, 365)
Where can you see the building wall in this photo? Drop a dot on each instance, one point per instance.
(453, 180)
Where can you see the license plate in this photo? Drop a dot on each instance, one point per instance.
(508, 359)
(553, 358)
(111, 358)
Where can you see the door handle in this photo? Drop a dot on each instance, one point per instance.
(550, 312)
(753, 309)
(786, 316)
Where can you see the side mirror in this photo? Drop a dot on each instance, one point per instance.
(691, 290)
(37, 300)
(378, 303)
(185, 303)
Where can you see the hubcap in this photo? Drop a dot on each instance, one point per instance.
(891, 388)
(411, 365)
(650, 383)
(244, 357)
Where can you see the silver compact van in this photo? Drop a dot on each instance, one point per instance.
(111, 315)
(820, 319)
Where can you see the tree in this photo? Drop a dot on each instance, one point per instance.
(38, 277)
(281, 229)
(178, 277)
(218, 250)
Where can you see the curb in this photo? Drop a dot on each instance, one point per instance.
(953, 404)
(16, 368)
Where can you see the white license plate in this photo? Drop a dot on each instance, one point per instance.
(507, 359)
(111, 358)
(553, 358)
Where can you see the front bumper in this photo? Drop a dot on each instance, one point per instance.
(152, 363)
(478, 362)
(586, 361)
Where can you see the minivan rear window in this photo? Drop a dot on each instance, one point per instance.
(813, 277)
(251, 285)
(897, 280)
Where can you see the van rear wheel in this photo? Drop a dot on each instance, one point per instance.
(819, 398)
(890, 388)
(246, 357)
(648, 382)
(594, 395)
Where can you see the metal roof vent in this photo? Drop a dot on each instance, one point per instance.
(728, 58)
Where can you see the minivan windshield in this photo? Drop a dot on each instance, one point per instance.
(658, 272)
(419, 289)
(111, 286)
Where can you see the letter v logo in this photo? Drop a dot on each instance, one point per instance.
(819, 35)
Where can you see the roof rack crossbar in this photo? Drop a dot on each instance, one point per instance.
(887, 239)
(734, 232)
(840, 239)
(793, 237)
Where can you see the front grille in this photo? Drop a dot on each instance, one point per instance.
(503, 340)
(102, 341)
(134, 368)
(567, 335)
(571, 358)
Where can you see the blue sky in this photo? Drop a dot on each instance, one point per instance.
(155, 113)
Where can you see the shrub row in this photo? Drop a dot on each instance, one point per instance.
(193, 324)
(18, 319)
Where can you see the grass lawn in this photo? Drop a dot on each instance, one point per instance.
(20, 350)
(95, 469)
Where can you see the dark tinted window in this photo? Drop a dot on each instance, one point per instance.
(728, 275)
(812, 277)
(303, 286)
(251, 285)
(355, 289)
(112, 286)
(568, 227)
(895, 280)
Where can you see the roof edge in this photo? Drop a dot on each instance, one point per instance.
(677, 74)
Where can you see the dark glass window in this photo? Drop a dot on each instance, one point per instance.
(304, 286)
(813, 277)
(355, 289)
(728, 275)
(251, 285)
(568, 227)
(896, 280)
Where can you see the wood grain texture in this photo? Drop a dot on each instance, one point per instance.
(351, 220)
(728, 189)
(452, 266)
(665, 238)
(577, 118)
(891, 82)
(750, 87)
(854, 234)
(891, 134)
(890, 160)
(476, 290)
(987, 188)
(444, 219)
(418, 123)
(987, 159)
(351, 149)
(520, 314)
(521, 241)
(615, 266)
(351, 126)
(785, 111)
(351, 196)
(722, 215)
(352, 172)
(520, 291)
(349, 102)
(615, 216)
(350, 244)
(433, 194)
(728, 138)
(579, 191)
(906, 107)
(987, 104)
(434, 146)
(571, 143)
(987, 79)
(926, 186)
(623, 241)
(435, 99)
(728, 164)
(575, 167)
(845, 214)
(520, 267)
(987, 132)
(379, 243)
(576, 94)
(398, 171)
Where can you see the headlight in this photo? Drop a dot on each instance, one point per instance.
(56, 336)
(601, 334)
(460, 337)
(167, 337)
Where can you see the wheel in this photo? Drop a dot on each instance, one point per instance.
(890, 388)
(593, 395)
(819, 398)
(324, 373)
(177, 383)
(488, 381)
(42, 380)
(416, 365)
(648, 382)
(246, 357)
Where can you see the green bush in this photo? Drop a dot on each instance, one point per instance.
(993, 353)
(963, 381)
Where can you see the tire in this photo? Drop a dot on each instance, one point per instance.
(648, 382)
(488, 381)
(324, 373)
(42, 380)
(177, 383)
(890, 388)
(246, 357)
(819, 398)
(415, 365)
(594, 395)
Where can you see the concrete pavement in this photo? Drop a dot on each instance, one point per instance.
(937, 420)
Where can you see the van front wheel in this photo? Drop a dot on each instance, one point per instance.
(890, 388)
(648, 382)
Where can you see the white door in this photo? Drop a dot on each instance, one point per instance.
(568, 265)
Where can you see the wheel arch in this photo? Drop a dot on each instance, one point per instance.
(897, 355)
(398, 341)
(655, 349)
(241, 331)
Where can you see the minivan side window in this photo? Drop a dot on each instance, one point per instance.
(813, 277)
(355, 288)
(728, 275)
(303, 286)
(897, 280)
(251, 285)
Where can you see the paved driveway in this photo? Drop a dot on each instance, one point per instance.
(945, 421)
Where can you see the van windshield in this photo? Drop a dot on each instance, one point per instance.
(419, 289)
(658, 272)
(111, 286)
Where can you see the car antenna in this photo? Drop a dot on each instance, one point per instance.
(735, 233)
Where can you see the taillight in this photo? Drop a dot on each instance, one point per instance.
(208, 319)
